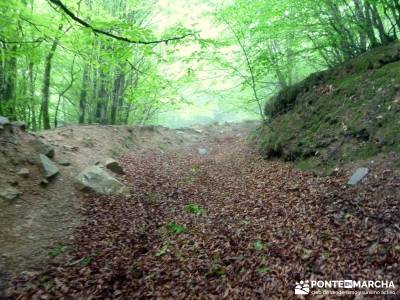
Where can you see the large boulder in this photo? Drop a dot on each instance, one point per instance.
(48, 168)
(96, 180)
(42, 147)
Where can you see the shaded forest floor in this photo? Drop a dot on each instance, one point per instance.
(224, 225)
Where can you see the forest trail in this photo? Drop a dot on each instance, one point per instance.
(223, 224)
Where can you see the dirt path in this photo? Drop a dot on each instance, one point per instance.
(225, 225)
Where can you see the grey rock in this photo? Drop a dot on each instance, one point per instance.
(4, 121)
(9, 193)
(48, 168)
(113, 166)
(70, 148)
(5, 124)
(358, 175)
(42, 147)
(24, 172)
(96, 180)
(19, 124)
(202, 151)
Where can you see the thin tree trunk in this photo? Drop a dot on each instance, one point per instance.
(83, 95)
(46, 85)
(9, 84)
(32, 97)
(117, 96)
(101, 100)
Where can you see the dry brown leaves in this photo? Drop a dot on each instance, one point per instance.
(304, 228)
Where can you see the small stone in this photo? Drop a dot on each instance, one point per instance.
(202, 151)
(358, 176)
(48, 168)
(9, 193)
(64, 163)
(44, 182)
(70, 148)
(24, 172)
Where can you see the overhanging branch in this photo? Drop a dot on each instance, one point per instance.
(85, 24)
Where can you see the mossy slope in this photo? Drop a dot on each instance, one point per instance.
(344, 114)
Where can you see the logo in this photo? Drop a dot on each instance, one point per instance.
(344, 287)
(302, 288)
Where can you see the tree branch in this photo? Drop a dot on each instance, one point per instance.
(85, 24)
(2, 40)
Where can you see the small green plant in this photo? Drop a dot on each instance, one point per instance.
(85, 261)
(176, 228)
(194, 209)
(263, 270)
(116, 152)
(56, 250)
(88, 142)
(258, 245)
(151, 197)
(217, 270)
(246, 222)
(163, 250)
(195, 169)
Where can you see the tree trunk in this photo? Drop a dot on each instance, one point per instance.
(101, 100)
(32, 97)
(46, 85)
(9, 83)
(377, 20)
(369, 27)
(117, 96)
(83, 96)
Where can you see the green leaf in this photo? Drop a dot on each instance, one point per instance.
(176, 229)
(163, 250)
(263, 270)
(194, 209)
(258, 245)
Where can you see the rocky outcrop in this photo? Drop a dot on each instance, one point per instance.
(96, 180)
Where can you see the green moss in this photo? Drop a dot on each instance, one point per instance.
(357, 120)
(364, 151)
(308, 164)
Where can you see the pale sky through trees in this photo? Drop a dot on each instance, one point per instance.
(213, 82)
